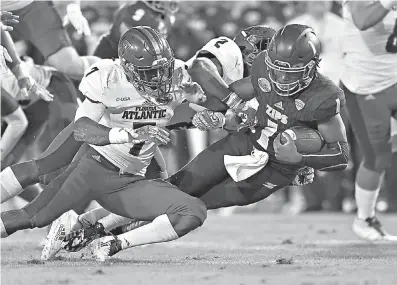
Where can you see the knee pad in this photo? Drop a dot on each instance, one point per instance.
(198, 210)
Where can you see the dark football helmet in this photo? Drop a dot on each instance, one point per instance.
(148, 62)
(292, 59)
(253, 40)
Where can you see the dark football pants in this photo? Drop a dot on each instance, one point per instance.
(206, 176)
(370, 119)
(87, 179)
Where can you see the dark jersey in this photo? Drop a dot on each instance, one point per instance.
(317, 103)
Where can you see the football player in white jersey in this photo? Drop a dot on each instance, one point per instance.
(246, 45)
(232, 59)
(143, 88)
(369, 78)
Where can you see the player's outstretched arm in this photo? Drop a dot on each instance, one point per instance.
(87, 128)
(206, 73)
(367, 14)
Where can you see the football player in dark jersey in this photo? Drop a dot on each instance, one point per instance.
(286, 90)
(154, 14)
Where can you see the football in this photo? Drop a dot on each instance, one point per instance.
(307, 140)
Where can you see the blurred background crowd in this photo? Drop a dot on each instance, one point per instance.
(191, 27)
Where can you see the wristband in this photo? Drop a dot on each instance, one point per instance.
(232, 100)
(19, 71)
(118, 136)
(389, 4)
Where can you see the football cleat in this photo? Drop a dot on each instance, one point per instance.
(371, 229)
(106, 247)
(77, 240)
(59, 229)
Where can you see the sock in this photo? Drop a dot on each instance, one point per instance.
(10, 186)
(160, 230)
(366, 201)
(91, 217)
(112, 221)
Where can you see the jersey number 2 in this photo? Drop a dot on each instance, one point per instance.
(220, 42)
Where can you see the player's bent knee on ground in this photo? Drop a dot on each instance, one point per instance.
(190, 217)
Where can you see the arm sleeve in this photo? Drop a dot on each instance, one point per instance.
(332, 157)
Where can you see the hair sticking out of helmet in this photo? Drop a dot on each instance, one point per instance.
(253, 40)
(292, 59)
(148, 63)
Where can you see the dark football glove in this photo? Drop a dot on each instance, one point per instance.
(305, 176)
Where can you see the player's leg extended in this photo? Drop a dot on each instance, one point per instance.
(370, 119)
(59, 154)
(172, 216)
(207, 169)
(242, 193)
(67, 190)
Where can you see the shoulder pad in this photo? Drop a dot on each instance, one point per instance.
(99, 76)
(326, 99)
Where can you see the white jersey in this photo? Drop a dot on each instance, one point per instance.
(229, 56)
(105, 82)
(367, 66)
(12, 5)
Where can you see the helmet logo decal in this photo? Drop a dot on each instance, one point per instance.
(299, 104)
(126, 45)
(264, 85)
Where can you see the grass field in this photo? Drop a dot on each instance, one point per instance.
(244, 249)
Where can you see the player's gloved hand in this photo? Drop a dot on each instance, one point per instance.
(193, 92)
(28, 86)
(153, 134)
(4, 56)
(208, 120)
(76, 18)
(7, 20)
(305, 176)
(286, 152)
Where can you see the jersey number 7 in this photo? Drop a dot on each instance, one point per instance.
(136, 148)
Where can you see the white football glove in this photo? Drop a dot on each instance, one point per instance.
(208, 120)
(153, 134)
(28, 86)
(76, 18)
(305, 176)
(7, 20)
